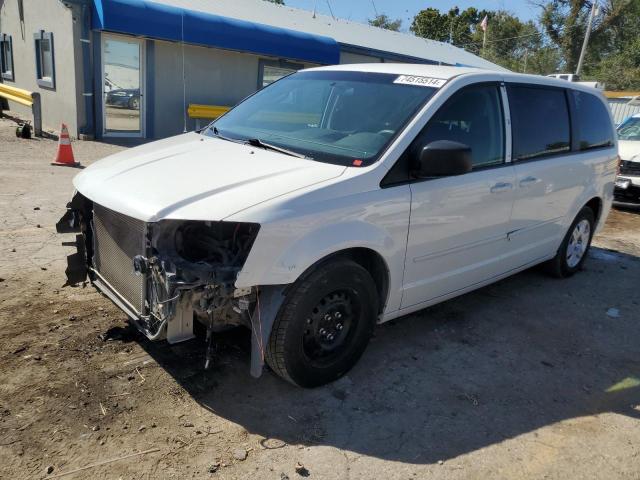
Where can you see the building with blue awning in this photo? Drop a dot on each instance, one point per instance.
(131, 68)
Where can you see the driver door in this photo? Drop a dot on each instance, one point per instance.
(458, 225)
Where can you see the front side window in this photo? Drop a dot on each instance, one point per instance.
(630, 129)
(6, 57)
(472, 117)
(45, 66)
(594, 125)
(347, 118)
(539, 121)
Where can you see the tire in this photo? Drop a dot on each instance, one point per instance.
(134, 103)
(324, 325)
(566, 263)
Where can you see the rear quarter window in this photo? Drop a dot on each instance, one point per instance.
(592, 118)
(539, 121)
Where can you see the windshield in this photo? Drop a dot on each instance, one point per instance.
(347, 118)
(630, 129)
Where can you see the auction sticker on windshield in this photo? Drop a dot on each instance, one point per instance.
(420, 81)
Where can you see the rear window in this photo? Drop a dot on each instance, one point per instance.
(594, 125)
(540, 121)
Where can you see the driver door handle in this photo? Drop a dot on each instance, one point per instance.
(501, 187)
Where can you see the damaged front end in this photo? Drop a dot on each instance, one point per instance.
(167, 274)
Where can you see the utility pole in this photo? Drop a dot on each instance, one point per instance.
(594, 7)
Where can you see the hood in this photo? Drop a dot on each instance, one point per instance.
(627, 149)
(193, 177)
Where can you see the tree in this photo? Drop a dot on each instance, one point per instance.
(565, 22)
(383, 21)
(279, 2)
(516, 45)
(511, 43)
(454, 26)
(613, 52)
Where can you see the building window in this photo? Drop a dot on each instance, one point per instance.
(270, 71)
(6, 57)
(45, 64)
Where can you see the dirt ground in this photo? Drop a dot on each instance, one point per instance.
(529, 378)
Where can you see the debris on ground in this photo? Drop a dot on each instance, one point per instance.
(302, 470)
(214, 467)
(240, 454)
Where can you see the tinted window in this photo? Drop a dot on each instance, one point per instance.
(594, 126)
(472, 116)
(540, 121)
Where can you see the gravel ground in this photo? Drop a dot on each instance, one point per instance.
(531, 377)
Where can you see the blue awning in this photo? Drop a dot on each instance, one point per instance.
(154, 20)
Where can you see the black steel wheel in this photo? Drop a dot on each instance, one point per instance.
(324, 325)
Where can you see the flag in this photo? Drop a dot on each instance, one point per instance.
(484, 23)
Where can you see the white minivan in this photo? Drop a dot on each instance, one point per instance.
(341, 197)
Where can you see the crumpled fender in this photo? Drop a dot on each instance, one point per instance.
(281, 259)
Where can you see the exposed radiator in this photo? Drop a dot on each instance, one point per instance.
(117, 239)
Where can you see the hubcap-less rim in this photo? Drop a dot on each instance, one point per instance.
(578, 243)
(330, 326)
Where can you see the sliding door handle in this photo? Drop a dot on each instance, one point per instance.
(501, 187)
(525, 182)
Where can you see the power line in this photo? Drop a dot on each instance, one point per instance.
(330, 10)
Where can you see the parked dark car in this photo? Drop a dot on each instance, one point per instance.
(125, 98)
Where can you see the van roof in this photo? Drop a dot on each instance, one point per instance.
(448, 72)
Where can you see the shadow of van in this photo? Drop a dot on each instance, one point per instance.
(510, 358)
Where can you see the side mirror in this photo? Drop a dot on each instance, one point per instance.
(443, 158)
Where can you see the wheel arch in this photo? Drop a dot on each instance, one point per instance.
(369, 259)
(595, 204)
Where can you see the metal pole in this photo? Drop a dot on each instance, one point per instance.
(586, 37)
(37, 114)
(484, 40)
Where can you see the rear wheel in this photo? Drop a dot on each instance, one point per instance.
(573, 250)
(324, 325)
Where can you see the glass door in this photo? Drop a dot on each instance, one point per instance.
(122, 87)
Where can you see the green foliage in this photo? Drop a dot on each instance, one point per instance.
(383, 21)
(552, 45)
(279, 2)
(455, 26)
(613, 53)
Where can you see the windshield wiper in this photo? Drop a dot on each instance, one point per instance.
(256, 142)
(217, 133)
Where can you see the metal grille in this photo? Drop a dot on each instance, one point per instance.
(117, 239)
(630, 168)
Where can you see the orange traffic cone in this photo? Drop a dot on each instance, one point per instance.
(64, 157)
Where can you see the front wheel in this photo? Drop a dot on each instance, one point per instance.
(324, 325)
(573, 250)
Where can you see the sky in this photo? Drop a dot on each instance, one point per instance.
(361, 10)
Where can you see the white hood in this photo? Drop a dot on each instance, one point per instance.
(193, 177)
(627, 149)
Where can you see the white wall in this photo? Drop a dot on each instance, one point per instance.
(213, 77)
(58, 104)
